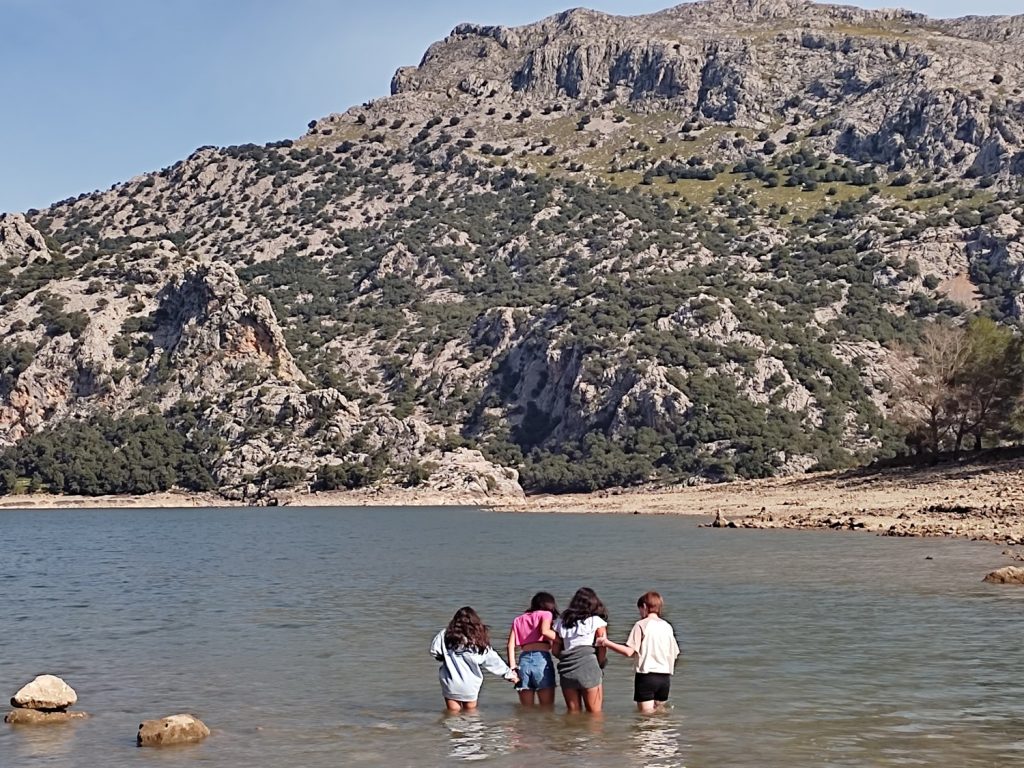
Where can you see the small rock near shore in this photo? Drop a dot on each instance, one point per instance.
(47, 693)
(1011, 574)
(176, 729)
(721, 521)
(35, 717)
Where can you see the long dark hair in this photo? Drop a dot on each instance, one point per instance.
(466, 631)
(584, 604)
(544, 601)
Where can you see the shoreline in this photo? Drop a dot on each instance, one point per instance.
(982, 502)
(977, 501)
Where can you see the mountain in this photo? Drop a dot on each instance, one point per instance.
(586, 252)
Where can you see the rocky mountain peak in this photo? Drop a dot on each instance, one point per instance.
(755, 9)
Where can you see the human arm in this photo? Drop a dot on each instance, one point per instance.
(494, 664)
(437, 646)
(512, 648)
(625, 650)
(546, 630)
(602, 653)
(556, 647)
(632, 646)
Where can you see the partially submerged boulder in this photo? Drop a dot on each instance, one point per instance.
(47, 693)
(1011, 574)
(35, 717)
(176, 729)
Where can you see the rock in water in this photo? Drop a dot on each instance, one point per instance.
(176, 729)
(1011, 574)
(35, 717)
(47, 693)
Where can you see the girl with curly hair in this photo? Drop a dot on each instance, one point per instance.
(464, 650)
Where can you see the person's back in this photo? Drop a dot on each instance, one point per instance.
(654, 640)
(464, 650)
(652, 644)
(532, 634)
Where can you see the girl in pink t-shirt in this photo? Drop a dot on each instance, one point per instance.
(532, 635)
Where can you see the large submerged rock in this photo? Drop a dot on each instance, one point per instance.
(35, 717)
(1011, 574)
(175, 729)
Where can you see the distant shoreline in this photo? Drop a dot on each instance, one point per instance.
(976, 501)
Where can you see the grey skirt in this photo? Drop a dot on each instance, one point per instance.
(578, 668)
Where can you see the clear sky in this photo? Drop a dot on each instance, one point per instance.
(97, 91)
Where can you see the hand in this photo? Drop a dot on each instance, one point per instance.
(601, 642)
(515, 678)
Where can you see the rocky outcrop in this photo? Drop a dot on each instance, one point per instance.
(172, 730)
(211, 328)
(20, 242)
(466, 473)
(43, 701)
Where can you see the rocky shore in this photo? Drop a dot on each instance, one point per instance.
(976, 501)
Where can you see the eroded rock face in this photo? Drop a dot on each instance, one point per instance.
(47, 693)
(211, 326)
(1011, 574)
(901, 88)
(175, 729)
(20, 241)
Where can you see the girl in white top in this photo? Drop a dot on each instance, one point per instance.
(580, 659)
(652, 644)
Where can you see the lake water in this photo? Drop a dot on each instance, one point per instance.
(300, 636)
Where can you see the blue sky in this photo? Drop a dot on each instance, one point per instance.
(97, 91)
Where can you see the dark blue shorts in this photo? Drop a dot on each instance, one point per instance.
(536, 671)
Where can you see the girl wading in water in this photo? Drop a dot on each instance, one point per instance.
(464, 650)
(579, 662)
(532, 634)
(652, 644)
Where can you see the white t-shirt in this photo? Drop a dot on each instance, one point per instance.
(655, 644)
(581, 633)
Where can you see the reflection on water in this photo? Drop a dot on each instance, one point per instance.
(474, 739)
(44, 743)
(658, 741)
(301, 636)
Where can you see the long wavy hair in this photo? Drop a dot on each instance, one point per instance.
(544, 601)
(466, 631)
(584, 604)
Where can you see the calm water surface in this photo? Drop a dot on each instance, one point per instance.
(301, 636)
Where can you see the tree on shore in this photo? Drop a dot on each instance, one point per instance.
(960, 384)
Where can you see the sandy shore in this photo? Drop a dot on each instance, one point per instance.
(168, 500)
(979, 501)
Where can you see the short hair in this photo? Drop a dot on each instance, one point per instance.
(651, 601)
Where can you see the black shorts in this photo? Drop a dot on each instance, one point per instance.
(651, 686)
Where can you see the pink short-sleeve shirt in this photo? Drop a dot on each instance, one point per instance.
(526, 627)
